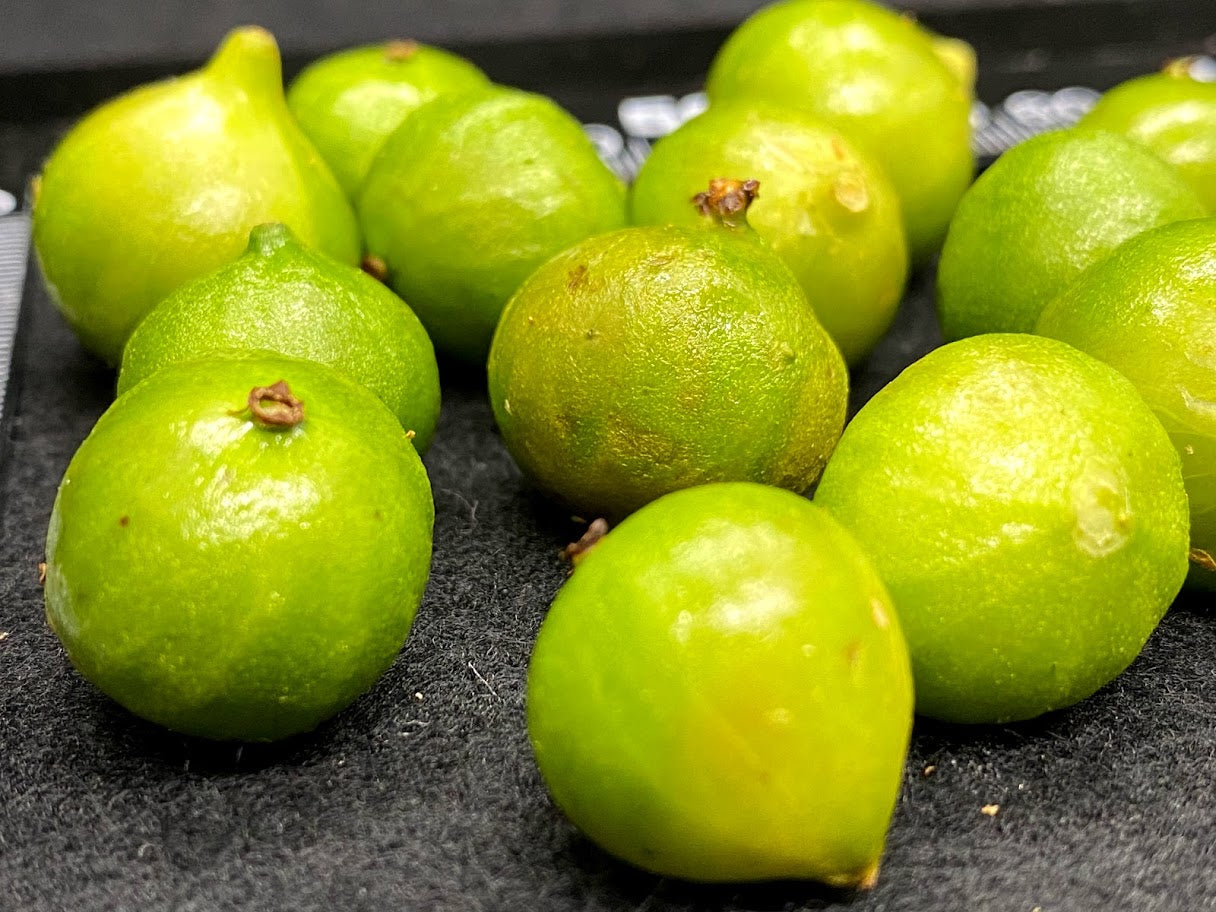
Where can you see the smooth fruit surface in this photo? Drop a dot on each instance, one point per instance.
(1027, 512)
(233, 578)
(1149, 311)
(827, 211)
(1174, 115)
(163, 184)
(878, 78)
(473, 193)
(286, 298)
(721, 692)
(348, 103)
(657, 358)
(1046, 210)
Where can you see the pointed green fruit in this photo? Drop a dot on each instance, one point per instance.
(470, 195)
(721, 692)
(660, 357)
(164, 184)
(896, 91)
(348, 103)
(286, 298)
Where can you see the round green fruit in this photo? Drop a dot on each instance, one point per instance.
(721, 692)
(286, 298)
(348, 103)
(826, 210)
(657, 358)
(1149, 311)
(1173, 114)
(894, 89)
(1027, 512)
(1039, 216)
(164, 184)
(238, 548)
(470, 195)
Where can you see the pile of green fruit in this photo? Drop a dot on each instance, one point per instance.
(724, 689)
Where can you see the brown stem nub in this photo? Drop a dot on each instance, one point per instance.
(576, 551)
(1179, 67)
(1201, 558)
(400, 49)
(275, 406)
(727, 199)
(375, 267)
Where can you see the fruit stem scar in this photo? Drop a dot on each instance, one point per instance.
(275, 407)
(400, 49)
(576, 551)
(1202, 558)
(375, 267)
(727, 200)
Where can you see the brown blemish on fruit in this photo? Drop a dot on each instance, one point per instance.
(1201, 558)
(124, 520)
(727, 199)
(591, 334)
(375, 267)
(852, 654)
(275, 407)
(851, 193)
(400, 49)
(42, 574)
(377, 515)
(577, 278)
(838, 148)
(576, 551)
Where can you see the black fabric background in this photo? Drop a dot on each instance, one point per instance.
(423, 795)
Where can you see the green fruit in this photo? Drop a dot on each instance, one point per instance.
(230, 564)
(164, 184)
(826, 210)
(1027, 512)
(1174, 115)
(657, 358)
(285, 298)
(1149, 310)
(721, 692)
(1043, 212)
(878, 78)
(470, 195)
(348, 103)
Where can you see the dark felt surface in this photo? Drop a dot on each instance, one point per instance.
(423, 795)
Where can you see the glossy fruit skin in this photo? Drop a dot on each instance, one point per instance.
(1026, 511)
(1046, 210)
(1174, 115)
(1149, 311)
(163, 184)
(229, 580)
(283, 297)
(825, 209)
(349, 102)
(721, 692)
(473, 193)
(877, 77)
(658, 358)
